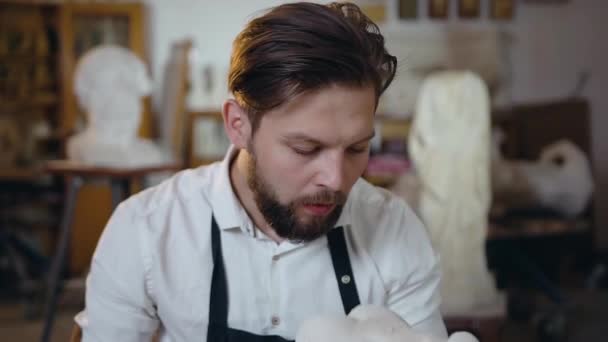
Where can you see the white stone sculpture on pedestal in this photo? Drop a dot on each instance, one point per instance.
(367, 323)
(450, 148)
(559, 180)
(110, 82)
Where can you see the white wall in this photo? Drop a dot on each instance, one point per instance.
(552, 44)
(211, 24)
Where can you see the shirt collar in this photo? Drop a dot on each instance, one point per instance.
(228, 210)
(345, 217)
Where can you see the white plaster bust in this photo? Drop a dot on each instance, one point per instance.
(560, 179)
(367, 323)
(109, 83)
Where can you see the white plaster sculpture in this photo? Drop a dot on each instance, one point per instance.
(560, 180)
(109, 83)
(450, 147)
(367, 324)
(408, 187)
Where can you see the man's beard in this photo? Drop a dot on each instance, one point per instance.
(283, 218)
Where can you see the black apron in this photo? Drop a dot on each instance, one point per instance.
(218, 305)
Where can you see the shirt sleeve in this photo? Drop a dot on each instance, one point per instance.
(413, 273)
(433, 326)
(118, 305)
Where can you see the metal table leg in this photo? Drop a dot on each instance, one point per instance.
(121, 188)
(73, 186)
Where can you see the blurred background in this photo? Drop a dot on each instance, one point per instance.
(544, 71)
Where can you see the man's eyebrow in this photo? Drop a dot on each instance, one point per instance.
(308, 139)
(300, 137)
(367, 138)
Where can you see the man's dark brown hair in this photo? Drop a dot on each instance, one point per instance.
(299, 47)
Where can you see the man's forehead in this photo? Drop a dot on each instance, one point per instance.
(331, 97)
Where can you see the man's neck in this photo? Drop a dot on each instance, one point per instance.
(238, 178)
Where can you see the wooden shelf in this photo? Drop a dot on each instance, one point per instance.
(196, 162)
(43, 101)
(530, 228)
(385, 118)
(65, 23)
(24, 58)
(20, 173)
(206, 114)
(383, 182)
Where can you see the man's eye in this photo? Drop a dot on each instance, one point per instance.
(305, 151)
(358, 149)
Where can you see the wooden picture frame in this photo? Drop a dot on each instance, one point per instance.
(207, 141)
(502, 9)
(469, 9)
(175, 88)
(550, 2)
(439, 9)
(85, 25)
(408, 9)
(374, 9)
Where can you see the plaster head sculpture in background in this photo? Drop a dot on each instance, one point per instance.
(367, 323)
(450, 148)
(560, 180)
(110, 82)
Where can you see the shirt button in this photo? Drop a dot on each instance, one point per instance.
(275, 320)
(345, 279)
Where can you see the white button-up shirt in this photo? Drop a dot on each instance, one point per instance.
(152, 267)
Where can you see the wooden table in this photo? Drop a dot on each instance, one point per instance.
(485, 323)
(503, 238)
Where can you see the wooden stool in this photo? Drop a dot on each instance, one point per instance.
(486, 323)
(75, 174)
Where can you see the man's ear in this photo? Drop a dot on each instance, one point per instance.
(236, 124)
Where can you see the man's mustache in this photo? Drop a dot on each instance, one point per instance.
(323, 198)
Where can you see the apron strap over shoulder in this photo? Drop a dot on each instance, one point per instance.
(343, 269)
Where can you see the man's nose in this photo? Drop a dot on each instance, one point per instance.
(331, 172)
